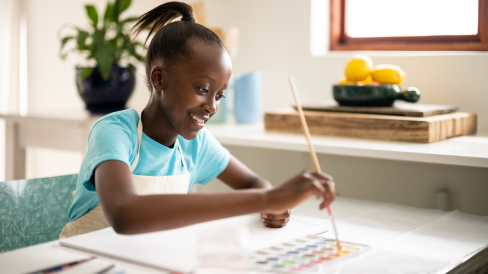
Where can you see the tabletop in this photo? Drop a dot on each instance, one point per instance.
(404, 239)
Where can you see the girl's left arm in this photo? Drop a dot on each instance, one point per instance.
(238, 176)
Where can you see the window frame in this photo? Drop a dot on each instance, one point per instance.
(340, 41)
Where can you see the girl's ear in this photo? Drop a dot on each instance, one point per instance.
(157, 80)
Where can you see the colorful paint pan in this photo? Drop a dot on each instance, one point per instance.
(305, 254)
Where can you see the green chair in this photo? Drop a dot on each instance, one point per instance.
(34, 211)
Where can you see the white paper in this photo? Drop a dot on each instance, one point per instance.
(384, 262)
(451, 237)
(176, 249)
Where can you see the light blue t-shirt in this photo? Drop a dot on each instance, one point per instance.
(114, 137)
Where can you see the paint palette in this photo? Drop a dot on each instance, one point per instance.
(305, 254)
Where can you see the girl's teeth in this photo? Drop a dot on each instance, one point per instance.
(197, 119)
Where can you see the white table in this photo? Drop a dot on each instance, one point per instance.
(70, 130)
(413, 235)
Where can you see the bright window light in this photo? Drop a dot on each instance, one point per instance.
(389, 18)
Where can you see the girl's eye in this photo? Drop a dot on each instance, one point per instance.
(203, 90)
(220, 97)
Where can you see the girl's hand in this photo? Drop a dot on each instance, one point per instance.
(277, 220)
(298, 189)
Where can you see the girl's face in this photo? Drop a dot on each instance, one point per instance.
(192, 89)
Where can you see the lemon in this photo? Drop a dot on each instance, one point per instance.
(364, 82)
(359, 68)
(388, 74)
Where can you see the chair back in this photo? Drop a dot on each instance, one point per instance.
(34, 211)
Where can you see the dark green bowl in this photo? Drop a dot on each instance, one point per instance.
(383, 95)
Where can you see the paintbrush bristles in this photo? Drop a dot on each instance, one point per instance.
(315, 160)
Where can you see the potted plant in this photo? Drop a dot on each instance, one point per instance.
(107, 84)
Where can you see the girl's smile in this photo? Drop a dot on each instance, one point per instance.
(199, 121)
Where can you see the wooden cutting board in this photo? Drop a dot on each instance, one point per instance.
(372, 126)
(398, 108)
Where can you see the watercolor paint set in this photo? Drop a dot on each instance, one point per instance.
(305, 254)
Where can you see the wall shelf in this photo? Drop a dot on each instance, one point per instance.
(462, 151)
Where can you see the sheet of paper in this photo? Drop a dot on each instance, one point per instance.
(451, 237)
(430, 238)
(15, 261)
(176, 249)
(385, 262)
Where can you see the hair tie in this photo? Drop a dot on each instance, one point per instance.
(187, 19)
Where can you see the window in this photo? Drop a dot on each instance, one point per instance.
(409, 25)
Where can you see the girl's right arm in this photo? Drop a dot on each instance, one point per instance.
(129, 213)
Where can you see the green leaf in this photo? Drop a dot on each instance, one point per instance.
(81, 39)
(63, 43)
(124, 4)
(117, 5)
(86, 72)
(65, 40)
(132, 68)
(92, 14)
(109, 13)
(105, 59)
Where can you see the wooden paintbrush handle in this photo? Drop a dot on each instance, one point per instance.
(305, 127)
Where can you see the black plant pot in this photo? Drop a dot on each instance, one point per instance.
(105, 96)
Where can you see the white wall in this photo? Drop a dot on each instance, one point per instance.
(275, 37)
(51, 81)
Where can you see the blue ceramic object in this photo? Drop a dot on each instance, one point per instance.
(247, 97)
(384, 95)
(105, 96)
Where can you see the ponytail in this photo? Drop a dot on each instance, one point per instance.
(159, 16)
(170, 41)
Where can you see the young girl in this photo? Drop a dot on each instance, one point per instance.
(138, 167)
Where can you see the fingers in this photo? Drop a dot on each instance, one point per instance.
(324, 187)
(275, 220)
(276, 216)
(275, 223)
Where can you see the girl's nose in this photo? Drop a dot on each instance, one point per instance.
(211, 106)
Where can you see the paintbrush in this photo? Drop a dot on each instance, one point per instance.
(312, 152)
